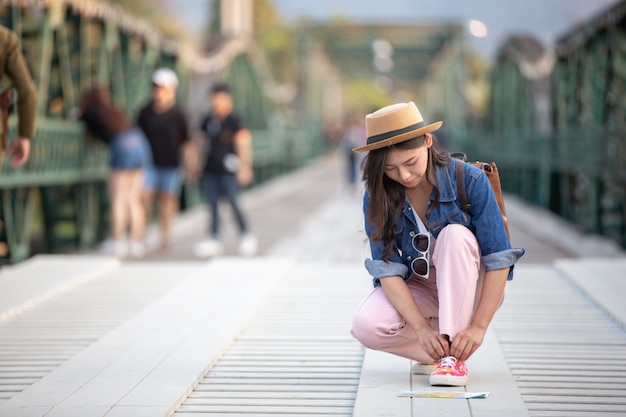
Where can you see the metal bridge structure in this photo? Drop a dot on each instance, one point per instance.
(57, 201)
(557, 123)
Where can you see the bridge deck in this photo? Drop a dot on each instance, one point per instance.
(87, 335)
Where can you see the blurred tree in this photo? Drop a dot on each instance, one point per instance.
(477, 87)
(213, 27)
(147, 9)
(278, 41)
(265, 16)
(362, 96)
(155, 12)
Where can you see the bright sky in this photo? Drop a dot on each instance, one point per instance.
(546, 19)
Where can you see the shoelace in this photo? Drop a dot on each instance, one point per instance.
(448, 362)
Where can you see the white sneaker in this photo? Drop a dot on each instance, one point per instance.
(248, 245)
(207, 248)
(424, 368)
(120, 248)
(137, 249)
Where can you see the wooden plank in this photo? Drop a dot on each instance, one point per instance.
(572, 413)
(211, 403)
(298, 362)
(273, 381)
(153, 359)
(243, 409)
(568, 407)
(206, 387)
(31, 282)
(266, 394)
(560, 373)
(608, 285)
(382, 378)
(572, 385)
(586, 391)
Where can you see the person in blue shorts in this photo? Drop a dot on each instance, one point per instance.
(165, 126)
(129, 158)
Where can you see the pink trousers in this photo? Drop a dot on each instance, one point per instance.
(447, 299)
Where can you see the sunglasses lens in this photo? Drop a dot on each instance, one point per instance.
(420, 266)
(421, 243)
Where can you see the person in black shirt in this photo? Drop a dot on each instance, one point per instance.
(165, 126)
(228, 165)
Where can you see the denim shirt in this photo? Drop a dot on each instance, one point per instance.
(484, 220)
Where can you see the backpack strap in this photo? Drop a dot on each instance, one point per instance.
(460, 185)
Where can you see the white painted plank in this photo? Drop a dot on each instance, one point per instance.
(143, 411)
(244, 409)
(604, 280)
(490, 372)
(249, 283)
(44, 276)
(382, 378)
(141, 355)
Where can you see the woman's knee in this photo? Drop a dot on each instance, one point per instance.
(373, 331)
(456, 232)
(456, 237)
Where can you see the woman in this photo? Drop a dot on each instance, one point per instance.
(129, 155)
(439, 274)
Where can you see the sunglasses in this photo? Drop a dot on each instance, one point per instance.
(421, 265)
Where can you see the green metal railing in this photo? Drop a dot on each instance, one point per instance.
(579, 174)
(58, 198)
(60, 154)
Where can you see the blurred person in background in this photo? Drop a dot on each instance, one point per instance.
(13, 65)
(353, 137)
(130, 155)
(165, 126)
(228, 165)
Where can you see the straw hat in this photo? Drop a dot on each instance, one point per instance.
(394, 124)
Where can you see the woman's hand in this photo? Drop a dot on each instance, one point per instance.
(18, 151)
(398, 293)
(435, 344)
(467, 341)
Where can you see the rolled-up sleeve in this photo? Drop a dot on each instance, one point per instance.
(503, 259)
(379, 269)
(376, 266)
(488, 225)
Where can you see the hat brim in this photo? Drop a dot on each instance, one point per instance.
(399, 138)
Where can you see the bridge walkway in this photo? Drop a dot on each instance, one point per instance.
(90, 335)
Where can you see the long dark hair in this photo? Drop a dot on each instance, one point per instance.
(97, 101)
(387, 196)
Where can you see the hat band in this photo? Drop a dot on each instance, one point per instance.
(393, 133)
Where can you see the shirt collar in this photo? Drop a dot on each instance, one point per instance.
(444, 174)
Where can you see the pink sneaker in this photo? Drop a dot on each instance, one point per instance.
(450, 371)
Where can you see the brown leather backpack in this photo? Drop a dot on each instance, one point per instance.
(491, 170)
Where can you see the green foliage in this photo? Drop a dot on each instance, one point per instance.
(477, 88)
(147, 9)
(213, 28)
(363, 96)
(157, 12)
(279, 46)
